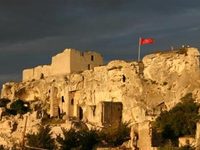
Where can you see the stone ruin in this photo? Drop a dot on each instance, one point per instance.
(69, 61)
(78, 86)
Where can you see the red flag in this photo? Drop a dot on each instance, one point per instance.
(146, 41)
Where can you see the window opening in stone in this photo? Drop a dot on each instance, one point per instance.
(93, 110)
(59, 113)
(80, 113)
(42, 76)
(63, 100)
(92, 58)
(89, 67)
(123, 78)
(72, 101)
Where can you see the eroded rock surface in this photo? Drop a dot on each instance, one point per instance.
(145, 88)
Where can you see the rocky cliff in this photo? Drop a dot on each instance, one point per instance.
(145, 88)
(159, 80)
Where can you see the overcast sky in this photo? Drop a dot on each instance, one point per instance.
(31, 31)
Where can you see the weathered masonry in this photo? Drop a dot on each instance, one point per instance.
(69, 61)
(104, 113)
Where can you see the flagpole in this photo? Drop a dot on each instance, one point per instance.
(139, 48)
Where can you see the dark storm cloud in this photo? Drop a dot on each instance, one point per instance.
(31, 31)
(27, 20)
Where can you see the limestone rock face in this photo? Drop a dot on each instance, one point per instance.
(144, 88)
(12, 129)
(168, 66)
(176, 72)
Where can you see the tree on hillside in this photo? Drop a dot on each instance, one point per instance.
(82, 139)
(180, 120)
(42, 139)
(20, 106)
(4, 102)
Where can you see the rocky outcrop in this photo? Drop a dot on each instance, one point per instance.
(145, 88)
(141, 87)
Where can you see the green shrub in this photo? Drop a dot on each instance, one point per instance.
(84, 139)
(179, 121)
(20, 107)
(88, 139)
(70, 139)
(115, 136)
(42, 139)
(10, 112)
(4, 102)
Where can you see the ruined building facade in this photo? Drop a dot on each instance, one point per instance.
(77, 85)
(69, 61)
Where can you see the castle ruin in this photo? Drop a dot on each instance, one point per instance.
(69, 61)
(78, 86)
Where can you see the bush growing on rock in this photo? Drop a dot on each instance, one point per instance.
(42, 139)
(4, 102)
(179, 121)
(86, 139)
(70, 139)
(115, 136)
(20, 107)
(83, 139)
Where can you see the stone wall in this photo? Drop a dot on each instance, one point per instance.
(145, 136)
(144, 89)
(197, 136)
(68, 61)
(81, 61)
(135, 85)
(36, 73)
(28, 74)
(60, 63)
(185, 141)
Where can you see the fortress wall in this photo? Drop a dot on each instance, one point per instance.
(37, 72)
(119, 81)
(81, 61)
(27, 74)
(97, 59)
(144, 135)
(42, 71)
(68, 61)
(61, 63)
(46, 69)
